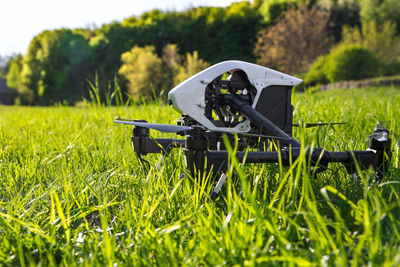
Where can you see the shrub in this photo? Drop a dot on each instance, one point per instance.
(343, 63)
(316, 73)
(142, 70)
(392, 68)
(380, 39)
(172, 62)
(192, 65)
(350, 63)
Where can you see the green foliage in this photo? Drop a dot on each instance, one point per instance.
(392, 68)
(342, 13)
(55, 67)
(172, 62)
(272, 9)
(143, 70)
(147, 76)
(380, 11)
(72, 192)
(7, 61)
(59, 63)
(14, 73)
(380, 39)
(212, 31)
(220, 33)
(107, 45)
(192, 65)
(14, 81)
(350, 62)
(317, 73)
(370, 51)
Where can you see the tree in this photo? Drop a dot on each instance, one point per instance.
(14, 72)
(217, 33)
(271, 10)
(142, 70)
(107, 44)
(171, 64)
(193, 64)
(14, 81)
(298, 37)
(55, 67)
(3, 66)
(380, 39)
(342, 13)
(344, 62)
(6, 61)
(381, 11)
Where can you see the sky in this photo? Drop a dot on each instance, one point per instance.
(21, 20)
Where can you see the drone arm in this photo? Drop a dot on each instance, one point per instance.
(377, 155)
(262, 123)
(365, 159)
(145, 145)
(142, 143)
(367, 156)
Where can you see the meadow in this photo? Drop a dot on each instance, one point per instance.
(73, 193)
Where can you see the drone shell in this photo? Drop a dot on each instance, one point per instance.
(189, 96)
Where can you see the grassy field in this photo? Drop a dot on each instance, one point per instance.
(73, 193)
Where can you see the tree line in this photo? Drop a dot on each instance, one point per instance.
(151, 53)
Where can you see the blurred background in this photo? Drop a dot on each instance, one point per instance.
(56, 52)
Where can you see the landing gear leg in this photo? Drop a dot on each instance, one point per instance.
(217, 188)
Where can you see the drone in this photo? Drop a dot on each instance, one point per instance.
(252, 107)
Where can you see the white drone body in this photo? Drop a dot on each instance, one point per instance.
(189, 96)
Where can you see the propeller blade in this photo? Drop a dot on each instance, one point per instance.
(315, 124)
(253, 135)
(265, 136)
(166, 128)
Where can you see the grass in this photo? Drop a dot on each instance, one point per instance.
(73, 193)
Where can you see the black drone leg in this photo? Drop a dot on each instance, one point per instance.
(144, 162)
(160, 162)
(217, 188)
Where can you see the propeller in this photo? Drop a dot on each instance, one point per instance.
(257, 135)
(315, 124)
(169, 128)
(165, 128)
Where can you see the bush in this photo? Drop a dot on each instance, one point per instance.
(392, 68)
(142, 70)
(380, 39)
(316, 73)
(350, 63)
(192, 65)
(147, 76)
(343, 63)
